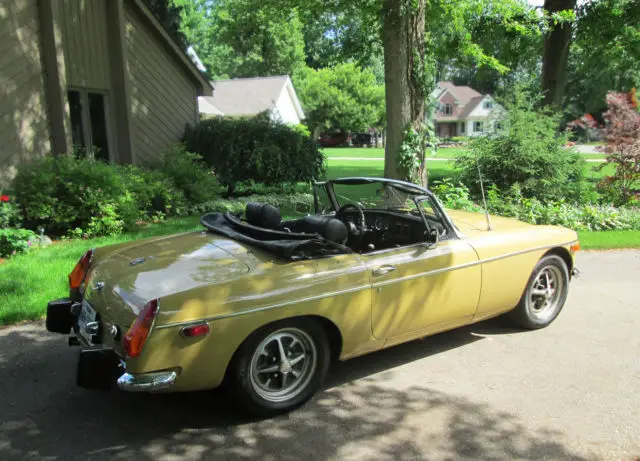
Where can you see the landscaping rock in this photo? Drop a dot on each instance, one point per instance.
(40, 241)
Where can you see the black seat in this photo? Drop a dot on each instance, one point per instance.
(263, 215)
(330, 228)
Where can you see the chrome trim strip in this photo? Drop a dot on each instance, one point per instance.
(362, 287)
(264, 308)
(469, 264)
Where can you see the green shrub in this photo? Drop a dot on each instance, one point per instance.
(456, 197)
(513, 204)
(577, 217)
(64, 192)
(255, 149)
(9, 212)
(190, 174)
(153, 193)
(528, 151)
(14, 241)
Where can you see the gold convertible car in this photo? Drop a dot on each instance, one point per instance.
(264, 305)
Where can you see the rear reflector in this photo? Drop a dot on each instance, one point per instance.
(195, 330)
(77, 275)
(134, 340)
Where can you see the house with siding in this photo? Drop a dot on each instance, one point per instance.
(101, 75)
(240, 97)
(462, 111)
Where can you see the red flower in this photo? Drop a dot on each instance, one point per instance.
(4, 198)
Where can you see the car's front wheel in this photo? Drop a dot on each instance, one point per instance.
(545, 295)
(280, 367)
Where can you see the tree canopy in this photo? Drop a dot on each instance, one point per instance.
(490, 45)
(340, 97)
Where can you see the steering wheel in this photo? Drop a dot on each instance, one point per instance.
(361, 225)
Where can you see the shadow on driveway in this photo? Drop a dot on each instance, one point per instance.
(359, 416)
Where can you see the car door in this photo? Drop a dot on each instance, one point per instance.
(423, 288)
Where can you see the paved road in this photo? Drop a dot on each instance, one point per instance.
(486, 392)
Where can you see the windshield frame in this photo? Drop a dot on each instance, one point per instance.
(407, 187)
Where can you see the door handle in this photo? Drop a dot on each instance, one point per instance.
(382, 270)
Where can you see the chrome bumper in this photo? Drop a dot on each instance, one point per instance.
(147, 382)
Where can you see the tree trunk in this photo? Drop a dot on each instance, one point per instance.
(555, 55)
(403, 41)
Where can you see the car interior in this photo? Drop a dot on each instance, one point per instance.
(359, 229)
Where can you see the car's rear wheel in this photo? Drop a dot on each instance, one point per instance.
(545, 295)
(280, 366)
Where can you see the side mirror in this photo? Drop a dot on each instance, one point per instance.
(303, 208)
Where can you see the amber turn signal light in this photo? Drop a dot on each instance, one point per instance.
(575, 247)
(78, 274)
(134, 340)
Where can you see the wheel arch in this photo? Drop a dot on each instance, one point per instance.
(564, 254)
(334, 335)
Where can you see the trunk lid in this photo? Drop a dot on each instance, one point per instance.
(125, 277)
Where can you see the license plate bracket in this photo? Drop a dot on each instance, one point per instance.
(86, 316)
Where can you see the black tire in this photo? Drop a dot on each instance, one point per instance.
(531, 312)
(253, 394)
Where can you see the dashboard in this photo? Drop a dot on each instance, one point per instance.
(384, 229)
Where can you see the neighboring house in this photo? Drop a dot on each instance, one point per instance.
(462, 111)
(100, 74)
(250, 96)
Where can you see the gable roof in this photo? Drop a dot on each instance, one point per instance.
(472, 104)
(466, 100)
(463, 94)
(250, 96)
(203, 85)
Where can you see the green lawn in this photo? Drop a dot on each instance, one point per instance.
(609, 239)
(338, 167)
(359, 152)
(442, 152)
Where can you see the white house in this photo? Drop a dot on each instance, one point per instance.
(250, 96)
(462, 111)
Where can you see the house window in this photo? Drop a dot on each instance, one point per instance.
(478, 127)
(89, 131)
(462, 127)
(497, 126)
(447, 109)
(488, 105)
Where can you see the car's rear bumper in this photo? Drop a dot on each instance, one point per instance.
(147, 382)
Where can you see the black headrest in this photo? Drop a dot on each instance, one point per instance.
(263, 215)
(330, 228)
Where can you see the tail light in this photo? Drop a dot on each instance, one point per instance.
(77, 275)
(135, 338)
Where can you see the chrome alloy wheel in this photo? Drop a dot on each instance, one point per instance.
(545, 294)
(283, 364)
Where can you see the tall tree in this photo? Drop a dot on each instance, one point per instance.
(198, 27)
(257, 39)
(604, 55)
(404, 72)
(556, 53)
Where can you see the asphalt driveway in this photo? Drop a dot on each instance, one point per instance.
(486, 392)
